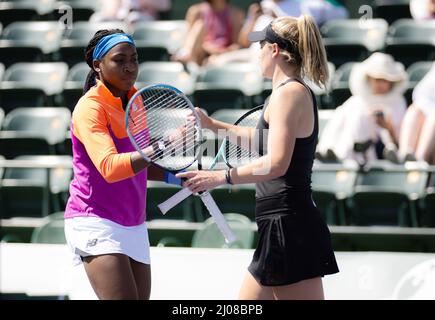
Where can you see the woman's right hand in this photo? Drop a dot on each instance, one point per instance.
(206, 121)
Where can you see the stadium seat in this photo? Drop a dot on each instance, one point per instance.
(353, 40)
(156, 40)
(157, 192)
(2, 117)
(32, 85)
(169, 242)
(76, 40)
(427, 217)
(240, 198)
(416, 73)
(392, 10)
(36, 131)
(409, 41)
(210, 237)
(30, 42)
(24, 10)
(82, 10)
(387, 194)
(1, 169)
(332, 184)
(340, 84)
(171, 73)
(233, 85)
(25, 191)
(73, 87)
(51, 232)
(2, 71)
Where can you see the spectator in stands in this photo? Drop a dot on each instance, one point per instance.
(320, 10)
(422, 9)
(417, 139)
(105, 214)
(262, 13)
(369, 120)
(131, 11)
(214, 27)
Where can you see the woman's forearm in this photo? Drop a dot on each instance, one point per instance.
(259, 170)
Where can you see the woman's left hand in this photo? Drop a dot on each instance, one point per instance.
(202, 180)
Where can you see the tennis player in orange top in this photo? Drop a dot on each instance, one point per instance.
(105, 215)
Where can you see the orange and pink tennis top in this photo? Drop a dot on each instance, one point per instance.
(104, 183)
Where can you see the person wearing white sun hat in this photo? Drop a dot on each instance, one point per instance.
(372, 116)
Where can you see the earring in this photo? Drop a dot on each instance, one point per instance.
(98, 70)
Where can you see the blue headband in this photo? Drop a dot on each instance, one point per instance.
(108, 42)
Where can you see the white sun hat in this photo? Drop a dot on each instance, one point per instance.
(383, 66)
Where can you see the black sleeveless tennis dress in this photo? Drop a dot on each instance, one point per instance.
(294, 240)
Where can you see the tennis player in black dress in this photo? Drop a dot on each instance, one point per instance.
(294, 250)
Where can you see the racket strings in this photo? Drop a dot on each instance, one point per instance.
(185, 145)
(244, 150)
(159, 114)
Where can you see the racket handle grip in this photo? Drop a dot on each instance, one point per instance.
(218, 217)
(174, 200)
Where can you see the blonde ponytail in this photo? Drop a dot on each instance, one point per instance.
(310, 52)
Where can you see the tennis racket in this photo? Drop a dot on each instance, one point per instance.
(234, 152)
(165, 129)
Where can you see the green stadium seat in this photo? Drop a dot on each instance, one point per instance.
(427, 217)
(332, 184)
(166, 37)
(1, 169)
(82, 9)
(30, 42)
(353, 40)
(210, 237)
(73, 45)
(171, 73)
(387, 194)
(73, 87)
(410, 41)
(32, 85)
(24, 10)
(392, 10)
(2, 71)
(170, 242)
(158, 192)
(340, 84)
(2, 117)
(416, 73)
(26, 193)
(35, 131)
(240, 198)
(51, 232)
(233, 85)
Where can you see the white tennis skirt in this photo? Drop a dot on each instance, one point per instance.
(92, 236)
